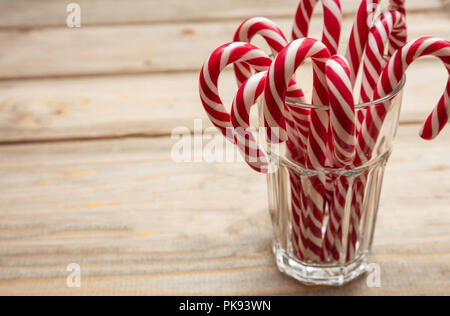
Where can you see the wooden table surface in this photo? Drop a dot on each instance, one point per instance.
(86, 174)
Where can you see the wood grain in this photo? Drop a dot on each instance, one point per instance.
(120, 209)
(25, 13)
(152, 105)
(133, 49)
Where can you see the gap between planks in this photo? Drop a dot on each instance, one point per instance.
(141, 106)
(60, 53)
(345, 15)
(121, 137)
(150, 12)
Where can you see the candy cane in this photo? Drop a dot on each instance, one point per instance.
(389, 27)
(245, 98)
(389, 80)
(283, 68)
(298, 117)
(276, 40)
(209, 77)
(343, 127)
(342, 112)
(330, 37)
(332, 22)
(273, 36)
(360, 31)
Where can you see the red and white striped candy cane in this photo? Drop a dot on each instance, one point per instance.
(357, 43)
(330, 37)
(332, 22)
(317, 158)
(360, 31)
(273, 36)
(389, 27)
(209, 77)
(276, 40)
(343, 127)
(389, 80)
(280, 72)
(359, 35)
(283, 68)
(245, 98)
(342, 110)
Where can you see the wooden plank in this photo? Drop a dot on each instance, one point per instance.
(137, 223)
(63, 52)
(149, 105)
(30, 13)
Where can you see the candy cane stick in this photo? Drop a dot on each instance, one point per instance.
(209, 77)
(390, 26)
(360, 31)
(283, 68)
(343, 127)
(245, 98)
(330, 37)
(342, 107)
(332, 22)
(358, 41)
(389, 80)
(359, 35)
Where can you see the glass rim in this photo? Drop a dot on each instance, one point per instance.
(286, 162)
(390, 96)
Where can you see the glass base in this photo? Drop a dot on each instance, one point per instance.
(312, 275)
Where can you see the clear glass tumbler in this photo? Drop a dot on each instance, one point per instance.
(324, 220)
